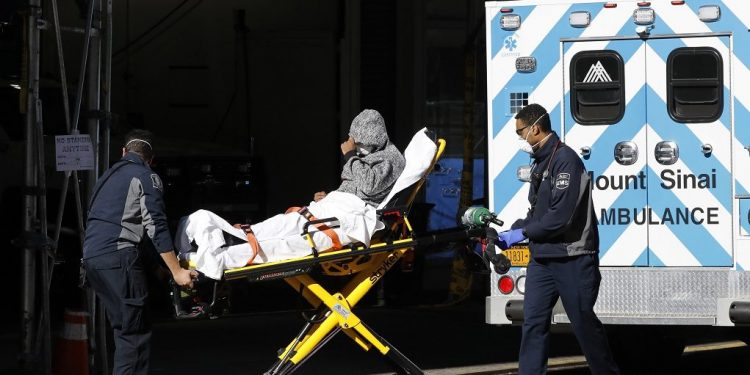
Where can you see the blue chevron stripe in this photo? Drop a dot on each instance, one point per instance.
(626, 48)
(654, 260)
(744, 218)
(690, 147)
(609, 234)
(695, 237)
(643, 258)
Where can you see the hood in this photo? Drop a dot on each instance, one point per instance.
(368, 130)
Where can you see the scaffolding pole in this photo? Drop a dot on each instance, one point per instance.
(29, 98)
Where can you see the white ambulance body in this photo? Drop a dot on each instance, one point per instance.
(655, 97)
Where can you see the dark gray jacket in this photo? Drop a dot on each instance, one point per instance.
(127, 204)
(562, 221)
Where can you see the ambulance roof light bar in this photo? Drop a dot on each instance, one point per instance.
(610, 5)
(579, 18)
(709, 13)
(510, 22)
(678, 2)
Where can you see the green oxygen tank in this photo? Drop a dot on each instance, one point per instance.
(478, 216)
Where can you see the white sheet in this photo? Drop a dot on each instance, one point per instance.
(279, 236)
(418, 154)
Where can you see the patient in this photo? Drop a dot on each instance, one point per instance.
(372, 166)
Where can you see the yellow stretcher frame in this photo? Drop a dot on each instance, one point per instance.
(334, 312)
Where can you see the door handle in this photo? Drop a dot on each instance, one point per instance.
(585, 151)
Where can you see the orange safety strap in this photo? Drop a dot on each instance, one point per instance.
(304, 212)
(251, 239)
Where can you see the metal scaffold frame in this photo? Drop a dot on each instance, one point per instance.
(39, 250)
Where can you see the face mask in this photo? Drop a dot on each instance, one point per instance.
(524, 143)
(363, 150)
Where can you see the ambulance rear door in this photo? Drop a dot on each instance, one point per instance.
(605, 121)
(689, 141)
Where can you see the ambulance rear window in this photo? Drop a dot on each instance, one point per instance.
(695, 89)
(597, 87)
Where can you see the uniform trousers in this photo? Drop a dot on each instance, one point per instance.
(119, 280)
(576, 281)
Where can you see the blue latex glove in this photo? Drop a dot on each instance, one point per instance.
(510, 238)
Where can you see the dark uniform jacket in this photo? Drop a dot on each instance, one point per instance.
(561, 221)
(126, 202)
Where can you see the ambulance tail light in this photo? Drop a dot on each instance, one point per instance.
(521, 284)
(709, 13)
(505, 284)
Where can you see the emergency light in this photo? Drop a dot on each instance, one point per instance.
(510, 22)
(579, 18)
(526, 64)
(644, 16)
(709, 13)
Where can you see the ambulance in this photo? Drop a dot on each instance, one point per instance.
(655, 98)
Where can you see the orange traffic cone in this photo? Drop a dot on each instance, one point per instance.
(71, 346)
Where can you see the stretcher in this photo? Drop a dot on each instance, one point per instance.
(366, 265)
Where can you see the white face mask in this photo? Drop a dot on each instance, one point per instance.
(363, 151)
(524, 143)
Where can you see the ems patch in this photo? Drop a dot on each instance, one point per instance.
(156, 182)
(562, 181)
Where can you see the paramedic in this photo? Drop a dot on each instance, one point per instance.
(564, 244)
(126, 203)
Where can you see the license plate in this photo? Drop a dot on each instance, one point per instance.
(518, 256)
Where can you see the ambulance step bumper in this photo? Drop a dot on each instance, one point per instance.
(739, 312)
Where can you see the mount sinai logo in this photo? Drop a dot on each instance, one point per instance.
(597, 73)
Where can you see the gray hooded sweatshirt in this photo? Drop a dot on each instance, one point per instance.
(371, 176)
